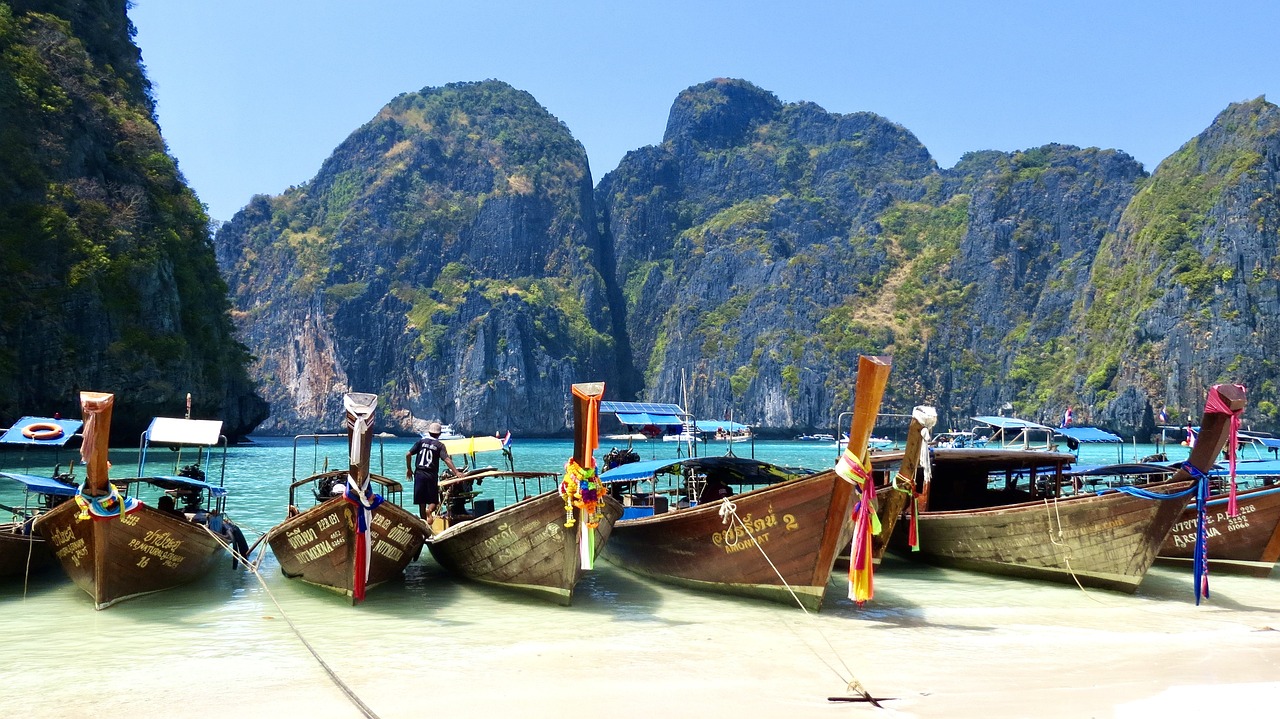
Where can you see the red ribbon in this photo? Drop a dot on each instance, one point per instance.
(1215, 404)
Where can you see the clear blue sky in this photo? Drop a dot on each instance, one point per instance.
(253, 95)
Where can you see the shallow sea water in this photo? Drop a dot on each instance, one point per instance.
(933, 642)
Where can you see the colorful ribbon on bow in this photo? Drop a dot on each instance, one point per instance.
(1215, 404)
(865, 524)
(365, 502)
(582, 489)
(109, 505)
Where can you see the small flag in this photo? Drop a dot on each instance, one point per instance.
(1164, 416)
(1066, 418)
(506, 441)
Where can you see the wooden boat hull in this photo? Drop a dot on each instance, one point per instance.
(20, 553)
(1247, 544)
(799, 523)
(1107, 541)
(318, 546)
(524, 546)
(120, 558)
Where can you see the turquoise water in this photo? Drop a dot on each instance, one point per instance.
(628, 646)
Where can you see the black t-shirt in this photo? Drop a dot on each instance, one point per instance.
(427, 453)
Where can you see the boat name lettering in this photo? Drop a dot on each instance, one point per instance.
(312, 553)
(326, 521)
(388, 550)
(746, 543)
(298, 537)
(1183, 540)
(164, 553)
(503, 536)
(400, 534)
(381, 521)
(752, 526)
(163, 540)
(74, 551)
(62, 536)
(129, 520)
(1211, 518)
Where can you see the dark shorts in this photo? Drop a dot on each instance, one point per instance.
(426, 488)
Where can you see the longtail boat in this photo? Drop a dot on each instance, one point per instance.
(540, 544)
(115, 547)
(1247, 543)
(1004, 511)
(352, 539)
(22, 550)
(778, 542)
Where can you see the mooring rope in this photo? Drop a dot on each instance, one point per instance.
(1055, 517)
(729, 510)
(333, 675)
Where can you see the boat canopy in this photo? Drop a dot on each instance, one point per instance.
(717, 425)
(14, 434)
(1089, 434)
(730, 469)
(472, 445)
(41, 485)
(637, 470)
(639, 414)
(170, 430)
(1010, 423)
(174, 481)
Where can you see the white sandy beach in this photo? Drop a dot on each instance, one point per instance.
(933, 643)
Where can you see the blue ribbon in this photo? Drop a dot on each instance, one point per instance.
(1200, 556)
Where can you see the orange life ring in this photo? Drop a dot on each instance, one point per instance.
(42, 431)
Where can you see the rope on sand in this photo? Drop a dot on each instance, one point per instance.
(728, 511)
(351, 695)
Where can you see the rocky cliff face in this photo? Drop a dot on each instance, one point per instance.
(451, 256)
(445, 257)
(110, 281)
(762, 246)
(1186, 289)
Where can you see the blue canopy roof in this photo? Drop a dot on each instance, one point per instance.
(712, 425)
(14, 434)
(1089, 434)
(637, 470)
(642, 413)
(42, 485)
(1010, 423)
(171, 481)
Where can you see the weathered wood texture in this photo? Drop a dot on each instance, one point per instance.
(318, 545)
(1247, 544)
(117, 558)
(21, 553)
(798, 524)
(523, 546)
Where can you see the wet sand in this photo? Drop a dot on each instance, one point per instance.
(933, 643)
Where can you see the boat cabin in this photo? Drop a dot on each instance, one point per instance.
(663, 485)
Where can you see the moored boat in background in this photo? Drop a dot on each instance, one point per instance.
(1004, 511)
(22, 550)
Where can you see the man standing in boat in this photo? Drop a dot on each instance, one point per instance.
(423, 462)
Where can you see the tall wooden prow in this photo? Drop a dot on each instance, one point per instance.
(96, 409)
(582, 488)
(854, 466)
(359, 407)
